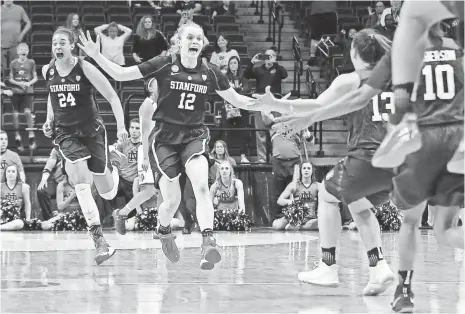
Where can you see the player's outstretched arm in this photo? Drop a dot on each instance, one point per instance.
(119, 73)
(146, 111)
(409, 40)
(101, 83)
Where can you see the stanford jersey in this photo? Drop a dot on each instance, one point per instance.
(366, 126)
(439, 95)
(183, 92)
(72, 96)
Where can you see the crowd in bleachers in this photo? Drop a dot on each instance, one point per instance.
(135, 31)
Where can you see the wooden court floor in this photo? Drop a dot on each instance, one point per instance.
(46, 272)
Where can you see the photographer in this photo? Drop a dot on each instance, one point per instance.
(266, 71)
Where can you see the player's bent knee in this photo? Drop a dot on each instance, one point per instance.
(324, 195)
(279, 224)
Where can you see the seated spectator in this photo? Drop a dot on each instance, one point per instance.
(13, 18)
(14, 197)
(66, 202)
(167, 7)
(219, 153)
(112, 44)
(323, 20)
(183, 6)
(375, 17)
(304, 191)
(388, 26)
(73, 23)
(227, 192)
(8, 158)
(222, 53)
(23, 75)
(148, 41)
(52, 175)
(346, 43)
(394, 10)
(222, 9)
(235, 116)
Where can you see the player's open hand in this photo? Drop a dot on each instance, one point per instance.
(267, 102)
(122, 134)
(90, 47)
(289, 125)
(47, 128)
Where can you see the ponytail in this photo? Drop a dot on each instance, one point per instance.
(371, 46)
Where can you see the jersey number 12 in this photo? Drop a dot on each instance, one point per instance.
(66, 100)
(187, 101)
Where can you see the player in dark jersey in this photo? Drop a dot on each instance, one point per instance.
(408, 53)
(353, 180)
(179, 139)
(78, 131)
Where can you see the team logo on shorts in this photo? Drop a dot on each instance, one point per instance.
(174, 68)
(78, 78)
(204, 77)
(330, 174)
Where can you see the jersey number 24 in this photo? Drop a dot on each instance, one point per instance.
(66, 100)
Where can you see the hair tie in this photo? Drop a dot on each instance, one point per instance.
(372, 36)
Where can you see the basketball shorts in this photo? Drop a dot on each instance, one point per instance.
(352, 179)
(424, 175)
(21, 102)
(173, 146)
(84, 142)
(146, 177)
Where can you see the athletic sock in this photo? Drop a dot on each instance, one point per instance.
(374, 256)
(405, 279)
(329, 256)
(96, 234)
(164, 230)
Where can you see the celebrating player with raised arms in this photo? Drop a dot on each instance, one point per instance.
(179, 140)
(77, 130)
(353, 180)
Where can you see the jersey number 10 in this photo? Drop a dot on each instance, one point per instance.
(437, 76)
(66, 100)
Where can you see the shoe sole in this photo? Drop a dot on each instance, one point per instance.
(317, 283)
(380, 288)
(212, 255)
(206, 265)
(456, 166)
(171, 251)
(119, 227)
(404, 310)
(99, 259)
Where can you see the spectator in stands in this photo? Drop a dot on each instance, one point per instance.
(73, 23)
(286, 160)
(323, 20)
(394, 10)
(304, 192)
(8, 158)
(124, 158)
(268, 72)
(346, 43)
(227, 193)
(148, 41)
(13, 16)
(235, 117)
(388, 26)
(52, 175)
(186, 16)
(14, 191)
(23, 74)
(112, 44)
(66, 202)
(220, 153)
(375, 17)
(222, 9)
(167, 7)
(222, 53)
(187, 5)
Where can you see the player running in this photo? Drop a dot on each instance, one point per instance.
(353, 180)
(77, 130)
(179, 140)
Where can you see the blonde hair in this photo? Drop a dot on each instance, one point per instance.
(142, 32)
(232, 177)
(175, 48)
